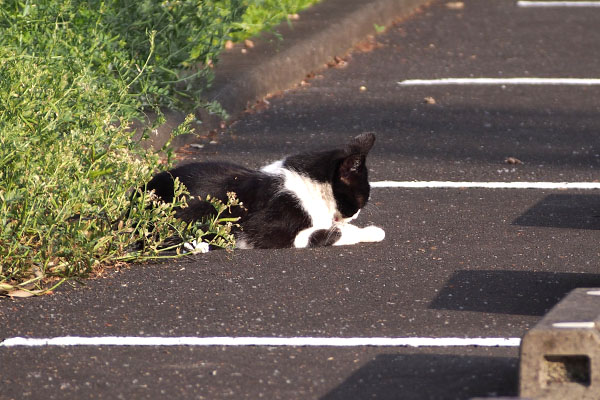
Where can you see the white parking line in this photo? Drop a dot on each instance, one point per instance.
(263, 341)
(487, 185)
(501, 81)
(575, 325)
(532, 4)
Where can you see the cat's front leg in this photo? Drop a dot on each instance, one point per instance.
(317, 237)
(338, 235)
(351, 234)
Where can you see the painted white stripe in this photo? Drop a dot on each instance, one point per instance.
(574, 325)
(262, 341)
(487, 185)
(500, 81)
(532, 4)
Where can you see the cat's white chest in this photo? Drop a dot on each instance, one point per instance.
(315, 198)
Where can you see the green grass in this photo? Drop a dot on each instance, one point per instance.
(73, 77)
(263, 15)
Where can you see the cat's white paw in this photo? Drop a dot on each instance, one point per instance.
(195, 247)
(372, 234)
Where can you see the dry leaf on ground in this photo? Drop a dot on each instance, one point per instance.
(23, 293)
(513, 161)
(455, 5)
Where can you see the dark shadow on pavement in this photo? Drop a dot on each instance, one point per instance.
(576, 211)
(409, 128)
(431, 377)
(509, 292)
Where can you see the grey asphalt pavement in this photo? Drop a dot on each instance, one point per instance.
(455, 262)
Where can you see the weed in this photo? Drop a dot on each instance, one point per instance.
(73, 76)
(263, 15)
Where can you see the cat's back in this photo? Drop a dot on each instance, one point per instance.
(209, 178)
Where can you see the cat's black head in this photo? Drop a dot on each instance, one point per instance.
(351, 179)
(344, 169)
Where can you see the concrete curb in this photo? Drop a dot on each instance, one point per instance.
(560, 356)
(323, 31)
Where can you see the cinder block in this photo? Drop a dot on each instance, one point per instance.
(560, 356)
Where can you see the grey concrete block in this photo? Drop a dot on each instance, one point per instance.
(560, 356)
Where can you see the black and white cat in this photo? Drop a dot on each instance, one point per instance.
(304, 200)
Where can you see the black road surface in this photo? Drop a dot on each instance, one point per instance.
(455, 262)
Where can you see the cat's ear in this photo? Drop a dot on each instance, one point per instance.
(350, 168)
(353, 164)
(361, 144)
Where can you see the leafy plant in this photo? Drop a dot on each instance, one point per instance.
(263, 15)
(71, 82)
(177, 237)
(73, 76)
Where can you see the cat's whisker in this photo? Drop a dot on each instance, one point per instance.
(372, 209)
(332, 232)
